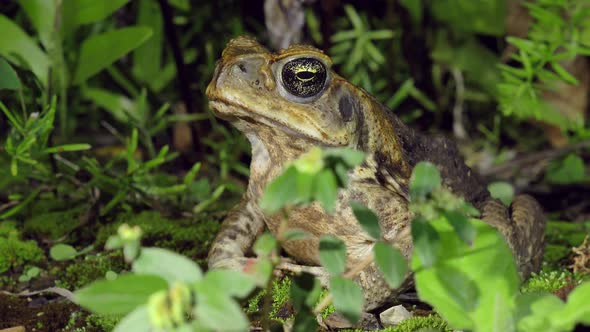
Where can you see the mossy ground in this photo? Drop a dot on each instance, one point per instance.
(25, 243)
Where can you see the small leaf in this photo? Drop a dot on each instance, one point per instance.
(8, 78)
(265, 244)
(350, 157)
(229, 283)
(294, 234)
(304, 321)
(326, 190)
(305, 291)
(425, 178)
(166, 264)
(119, 296)
(62, 252)
(260, 271)
(462, 226)
(219, 313)
(426, 241)
(569, 170)
(367, 218)
(391, 263)
(101, 50)
(279, 193)
(348, 298)
(89, 11)
(460, 288)
(67, 148)
(503, 191)
(333, 254)
(136, 321)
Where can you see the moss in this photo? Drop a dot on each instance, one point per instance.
(90, 268)
(185, 236)
(82, 322)
(281, 306)
(554, 254)
(546, 281)
(417, 323)
(16, 252)
(8, 228)
(566, 233)
(53, 225)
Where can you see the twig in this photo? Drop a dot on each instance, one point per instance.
(181, 70)
(56, 290)
(458, 127)
(532, 158)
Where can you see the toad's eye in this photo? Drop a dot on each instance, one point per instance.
(304, 77)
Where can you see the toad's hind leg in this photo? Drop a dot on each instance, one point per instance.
(523, 226)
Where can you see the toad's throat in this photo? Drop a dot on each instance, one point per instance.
(232, 111)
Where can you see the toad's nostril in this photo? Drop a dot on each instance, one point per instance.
(242, 68)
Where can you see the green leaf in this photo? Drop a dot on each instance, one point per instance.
(426, 242)
(480, 16)
(62, 252)
(89, 11)
(569, 170)
(485, 265)
(294, 234)
(218, 312)
(119, 296)
(42, 14)
(425, 178)
(136, 321)
(305, 291)
(101, 50)
(8, 78)
(147, 59)
(564, 74)
(461, 225)
(533, 310)
(265, 244)
(120, 107)
(414, 7)
(503, 191)
(333, 254)
(391, 263)
(576, 310)
(279, 192)
(166, 264)
(20, 49)
(67, 148)
(228, 283)
(326, 189)
(347, 297)
(304, 321)
(367, 218)
(350, 157)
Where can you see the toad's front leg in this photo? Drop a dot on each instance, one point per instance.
(237, 235)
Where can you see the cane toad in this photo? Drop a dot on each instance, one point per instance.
(287, 102)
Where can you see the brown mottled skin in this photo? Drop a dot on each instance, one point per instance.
(247, 91)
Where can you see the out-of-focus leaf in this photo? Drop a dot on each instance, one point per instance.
(265, 244)
(119, 296)
(326, 189)
(62, 252)
(42, 15)
(166, 264)
(367, 218)
(391, 263)
(569, 170)
(136, 321)
(100, 51)
(89, 11)
(147, 59)
(348, 298)
(425, 178)
(503, 191)
(480, 16)
(8, 78)
(333, 254)
(219, 313)
(20, 49)
(426, 242)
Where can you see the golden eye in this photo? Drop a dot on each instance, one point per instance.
(304, 77)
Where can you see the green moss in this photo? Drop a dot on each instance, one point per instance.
(16, 252)
(554, 254)
(567, 233)
(8, 228)
(546, 281)
(81, 322)
(185, 236)
(53, 225)
(281, 289)
(90, 268)
(417, 323)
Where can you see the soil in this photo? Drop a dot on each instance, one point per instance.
(38, 314)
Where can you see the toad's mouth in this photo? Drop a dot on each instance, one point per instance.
(231, 111)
